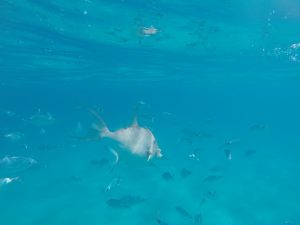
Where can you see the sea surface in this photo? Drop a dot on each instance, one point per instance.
(216, 82)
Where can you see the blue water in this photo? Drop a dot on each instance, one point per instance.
(217, 83)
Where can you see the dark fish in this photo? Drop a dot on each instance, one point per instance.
(167, 176)
(183, 212)
(187, 140)
(49, 147)
(190, 133)
(215, 169)
(76, 178)
(159, 221)
(207, 135)
(257, 127)
(250, 153)
(212, 195)
(203, 200)
(212, 178)
(125, 202)
(185, 173)
(99, 162)
(198, 218)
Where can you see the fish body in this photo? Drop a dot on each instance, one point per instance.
(16, 163)
(41, 119)
(14, 136)
(125, 202)
(185, 173)
(183, 212)
(138, 140)
(7, 180)
(167, 176)
(161, 222)
(250, 153)
(212, 178)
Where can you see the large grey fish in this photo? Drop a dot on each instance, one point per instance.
(138, 140)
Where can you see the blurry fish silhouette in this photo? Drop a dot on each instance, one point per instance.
(7, 180)
(250, 153)
(230, 143)
(14, 136)
(198, 219)
(99, 162)
(203, 200)
(125, 202)
(255, 127)
(228, 154)
(185, 173)
(167, 176)
(183, 212)
(160, 222)
(42, 119)
(76, 178)
(215, 169)
(212, 178)
(211, 195)
(138, 140)
(149, 31)
(16, 163)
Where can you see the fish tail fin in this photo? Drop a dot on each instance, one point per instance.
(100, 126)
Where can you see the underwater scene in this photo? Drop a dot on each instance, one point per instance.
(159, 112)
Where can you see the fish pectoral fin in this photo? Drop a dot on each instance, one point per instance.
(149, 156)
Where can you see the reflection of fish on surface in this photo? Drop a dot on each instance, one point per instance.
(228, 154)
(138, 140)
(125, 202)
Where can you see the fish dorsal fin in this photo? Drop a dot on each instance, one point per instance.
(135, 122)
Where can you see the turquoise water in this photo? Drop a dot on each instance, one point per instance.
(217, 82)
